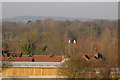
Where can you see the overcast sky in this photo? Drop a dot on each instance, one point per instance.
(94, 10)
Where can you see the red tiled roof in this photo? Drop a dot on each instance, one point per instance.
(37, 58)
(91, 56)
(45, 58)
(18, 59)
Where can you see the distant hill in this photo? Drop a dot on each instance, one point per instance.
(34, 18)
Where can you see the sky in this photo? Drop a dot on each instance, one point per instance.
(89, 10)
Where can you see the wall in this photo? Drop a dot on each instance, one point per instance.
(43, 73)
(30, 71)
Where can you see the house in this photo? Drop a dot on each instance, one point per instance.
(93, 57)
(71, 38)
(72, 41)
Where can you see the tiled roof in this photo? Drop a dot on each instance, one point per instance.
(92, 56)
(45, 58)
(18, 59)
(37, 58)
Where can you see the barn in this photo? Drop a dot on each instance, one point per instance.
(43, 66)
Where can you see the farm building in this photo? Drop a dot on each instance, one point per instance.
(43, 66)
